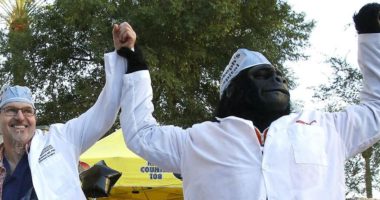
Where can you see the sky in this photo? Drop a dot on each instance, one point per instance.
(334, 35)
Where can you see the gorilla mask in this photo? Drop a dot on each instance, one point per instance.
(267, 88)
(258, 92)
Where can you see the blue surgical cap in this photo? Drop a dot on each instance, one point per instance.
(9, 94)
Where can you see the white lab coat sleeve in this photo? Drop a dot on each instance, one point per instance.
(90, 126)
(359, 125)
(160, 145)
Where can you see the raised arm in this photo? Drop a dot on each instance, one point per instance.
(360, 125)
(160, 145)
(367, 24)
(90, 126)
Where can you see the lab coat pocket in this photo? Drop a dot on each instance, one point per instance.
(309, 144)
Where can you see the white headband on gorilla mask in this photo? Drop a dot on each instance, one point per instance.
(242, 59)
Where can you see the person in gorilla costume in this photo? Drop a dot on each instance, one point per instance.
(257, 149)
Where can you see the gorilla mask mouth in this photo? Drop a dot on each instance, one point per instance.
(277, 90)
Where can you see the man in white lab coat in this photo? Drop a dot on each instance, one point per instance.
(44, 165)
(257, 149)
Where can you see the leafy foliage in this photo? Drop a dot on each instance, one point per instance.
(190, 43)
(17, 15)
(187, 44)
(344, 87)
(64, 57)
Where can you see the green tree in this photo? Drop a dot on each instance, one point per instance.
(187, 45)
(69, 41)
(344, 89)
(64, 58)
(17, 15)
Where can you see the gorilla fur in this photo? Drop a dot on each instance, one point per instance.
(367, 20)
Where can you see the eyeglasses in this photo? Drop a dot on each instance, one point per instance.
(12, 112)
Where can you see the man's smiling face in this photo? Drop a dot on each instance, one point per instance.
(17, 123)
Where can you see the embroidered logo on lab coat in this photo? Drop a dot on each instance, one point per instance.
(306, 123)
(47, 152)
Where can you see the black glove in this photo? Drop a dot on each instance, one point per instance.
(368, 19)
(136, 61)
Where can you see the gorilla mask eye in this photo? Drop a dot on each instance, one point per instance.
(264, 73)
